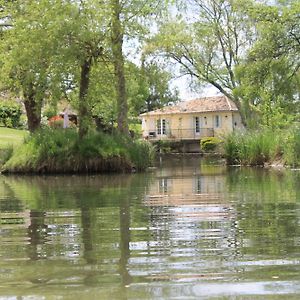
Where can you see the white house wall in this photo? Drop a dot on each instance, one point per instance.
(183, 125)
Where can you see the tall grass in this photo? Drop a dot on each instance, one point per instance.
(291, 155)
(61, 151)
(5, 154)
(261, 146)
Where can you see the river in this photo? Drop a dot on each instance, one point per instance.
(185, 229)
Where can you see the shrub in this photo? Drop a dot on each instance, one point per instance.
(53, 150)
(209, 143)
(164, 146)
(292, 147)
(10, 113)
(231, 148)
(253, 147)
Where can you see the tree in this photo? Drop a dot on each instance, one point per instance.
(117, 37)
(25, 56)
(153, 88)
(147, 88)
(129, 20)
(86, 37)
(209, 45)
(50, 44)
(270, 76)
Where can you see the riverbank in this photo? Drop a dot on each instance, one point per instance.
(263, 148)
(51, 151)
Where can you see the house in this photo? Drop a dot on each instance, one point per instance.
(192, 120)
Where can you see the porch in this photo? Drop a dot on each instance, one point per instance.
(180, 134)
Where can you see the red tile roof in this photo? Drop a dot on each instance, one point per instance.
(200, 105)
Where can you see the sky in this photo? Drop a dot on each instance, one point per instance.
(186, 93)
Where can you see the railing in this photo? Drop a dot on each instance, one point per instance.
(181, 134)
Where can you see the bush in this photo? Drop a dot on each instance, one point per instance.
(231, 148)
(209, 143)
(10, 114)
(60, 151)
(164, 146)
(292, 147)
(254, 147)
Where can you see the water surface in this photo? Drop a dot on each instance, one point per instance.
(187, 229)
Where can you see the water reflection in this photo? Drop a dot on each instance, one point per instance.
(187, 228)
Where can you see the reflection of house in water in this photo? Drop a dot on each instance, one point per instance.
(191, 214)
(198, 184)
(196, 192)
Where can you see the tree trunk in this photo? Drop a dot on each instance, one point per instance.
(118, 60)
(33, 109)
(83, 115)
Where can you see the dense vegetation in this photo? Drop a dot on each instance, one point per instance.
(10, 114)
(264, 147)
(113, 59)
(62, 151)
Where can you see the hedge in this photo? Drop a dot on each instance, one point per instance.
(10, 114)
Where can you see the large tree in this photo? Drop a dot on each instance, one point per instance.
(153, 87)
(86, 41)
(208, 43)
(51, 44)
(270, 76)
(26, 54)
(130, 21)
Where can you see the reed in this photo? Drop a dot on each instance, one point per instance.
(254, 147)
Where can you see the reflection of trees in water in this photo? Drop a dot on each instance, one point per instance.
(8, 201)
(266, 206)
(124, 244)
(37, 233)
(57, 202)
(95, 216)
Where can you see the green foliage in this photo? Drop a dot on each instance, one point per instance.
(61, 150)
(149, 87)
(210, 47)
(141, 154)
(10, 114)
(135, 127)
(5, 154)
(164, 146)
(263, 147)
(209, 143)
(292, 146)
(50, 112)
(231, 148)
(269, 77)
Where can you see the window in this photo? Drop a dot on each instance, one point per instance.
(161, 126)
(217, 121)
(197, 124)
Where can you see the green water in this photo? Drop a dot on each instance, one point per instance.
(187, 229)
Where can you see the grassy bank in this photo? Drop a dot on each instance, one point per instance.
(263, 147)
(60, 151)
(11, 137)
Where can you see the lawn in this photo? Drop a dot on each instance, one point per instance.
(10, 136)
